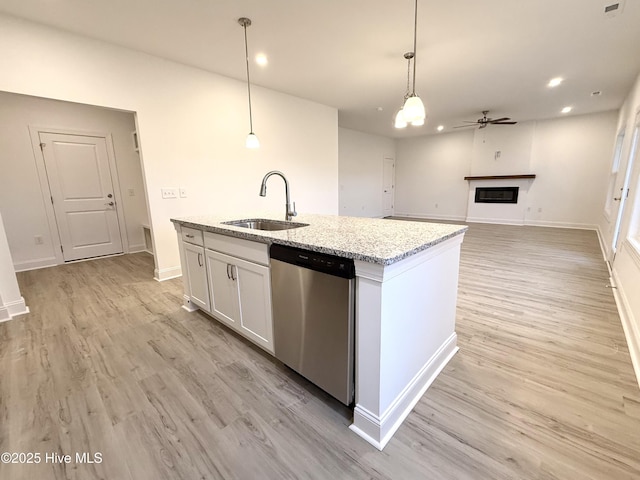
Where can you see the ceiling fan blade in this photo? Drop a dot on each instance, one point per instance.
(497, 120)
(465, 126)
(503, 123)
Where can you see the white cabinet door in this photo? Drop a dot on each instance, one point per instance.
(223, 290)
(197, 275)
(254, 289)
(241, 296)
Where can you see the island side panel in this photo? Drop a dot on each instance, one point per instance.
(405, 335)
(186, 295)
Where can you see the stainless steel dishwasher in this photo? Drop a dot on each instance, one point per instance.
(313, 317)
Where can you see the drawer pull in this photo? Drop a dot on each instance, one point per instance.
(188, 235)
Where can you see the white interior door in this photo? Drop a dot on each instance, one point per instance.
(82, 195)
(388, 187)
(621, 190)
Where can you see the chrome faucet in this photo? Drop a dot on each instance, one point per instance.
(289, 212)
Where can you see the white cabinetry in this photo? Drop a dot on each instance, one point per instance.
(241, 296)
(195, 278)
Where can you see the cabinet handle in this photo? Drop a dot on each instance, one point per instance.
(200, 259)
(228, 275)
(188, 235)
(234, 278)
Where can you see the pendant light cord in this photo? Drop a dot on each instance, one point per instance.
(415, 34)
(246, 51)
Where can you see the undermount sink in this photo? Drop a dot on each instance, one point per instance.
(265, 224)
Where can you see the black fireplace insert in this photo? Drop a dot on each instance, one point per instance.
(497, 194)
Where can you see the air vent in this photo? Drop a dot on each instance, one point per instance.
(614, 9)
(611, 8)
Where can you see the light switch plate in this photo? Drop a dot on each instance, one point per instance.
(183, 193)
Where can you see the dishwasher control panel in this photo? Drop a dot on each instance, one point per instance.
(322, 262)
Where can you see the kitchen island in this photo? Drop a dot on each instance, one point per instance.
(405, 301)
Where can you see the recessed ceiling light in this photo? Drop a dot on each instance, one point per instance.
(554, 82)
(379, 109)
(440, 128)
(261, 59)
(566, 109)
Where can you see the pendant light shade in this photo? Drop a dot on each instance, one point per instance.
(418, 123)
(400, 122)
(413, 110)
(252, 140)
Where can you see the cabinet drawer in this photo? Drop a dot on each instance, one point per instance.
(192, 235)
(238, 247)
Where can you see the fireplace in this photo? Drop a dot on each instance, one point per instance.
(497, 194)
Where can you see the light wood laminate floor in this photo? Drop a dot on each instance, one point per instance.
(107, 362)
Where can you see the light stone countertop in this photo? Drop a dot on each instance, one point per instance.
(373, 240)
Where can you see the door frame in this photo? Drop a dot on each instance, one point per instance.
(386, 158)
(620, 229)
(34, 132)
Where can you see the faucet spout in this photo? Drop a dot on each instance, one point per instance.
(289, 212)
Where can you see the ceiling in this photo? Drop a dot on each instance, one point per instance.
(472, 55)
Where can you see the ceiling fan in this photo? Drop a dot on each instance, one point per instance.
(484, 121)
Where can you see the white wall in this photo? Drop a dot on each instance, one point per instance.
(192, 125)
(570, 157)
(430, 173)
(502, 150)
(626, 264)
(11, 303)
(360, 172)
(20, 196)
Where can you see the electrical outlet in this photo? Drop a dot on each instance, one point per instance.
(132, 192)
(38, 239)
(183, 193)
(169, 192)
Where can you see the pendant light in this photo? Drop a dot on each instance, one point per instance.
(413, 109)
(252, 140)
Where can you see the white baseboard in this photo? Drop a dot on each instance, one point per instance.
(629, 323)
(603, 248)
(163, 274)
(495, 221)
(35, 264)
(137, 248)
(187, 304)
(12, 309)
(452, 218)
(577, 226)
(379, 430)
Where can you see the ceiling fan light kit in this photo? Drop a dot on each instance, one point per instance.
(252, 140)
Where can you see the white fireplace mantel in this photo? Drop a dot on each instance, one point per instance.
(503, 213)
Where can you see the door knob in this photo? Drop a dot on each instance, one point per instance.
(110, 195)
(111, 204)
